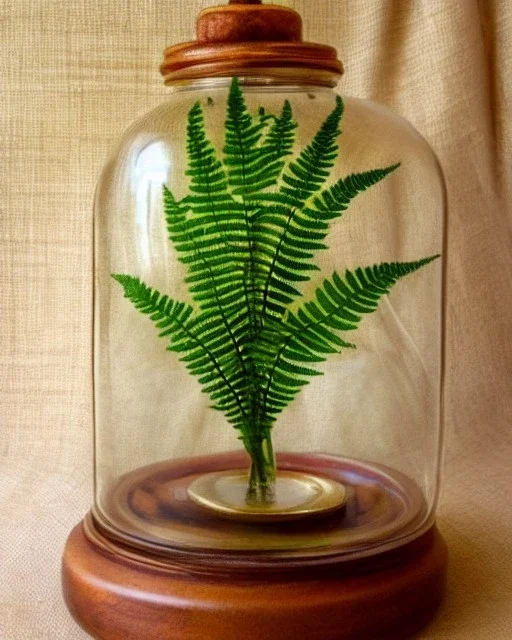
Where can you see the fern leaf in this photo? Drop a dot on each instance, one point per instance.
(243, 158)
(209, 266)
(333, 201)
(254, 160)
(219, 219)
(203, 356)
(311, 223)
(277, 145)
(310, 170)
(209, 232)
(339, 306)
(247, 173)
(166, 313)
(303, 177)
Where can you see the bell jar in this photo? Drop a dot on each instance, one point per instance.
(268, 320)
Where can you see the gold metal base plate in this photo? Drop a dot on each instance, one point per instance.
(298, 495)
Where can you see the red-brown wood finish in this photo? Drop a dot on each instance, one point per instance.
(387, 598)
(241, 38)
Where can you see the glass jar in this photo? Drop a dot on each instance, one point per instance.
(317, 255)
(268, 322)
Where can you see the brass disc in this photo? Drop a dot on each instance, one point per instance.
(298, 495)
(150, 508)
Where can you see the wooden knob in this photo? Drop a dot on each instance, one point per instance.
(248, 34)
(249, 21)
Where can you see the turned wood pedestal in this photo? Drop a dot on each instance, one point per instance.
(116, 596)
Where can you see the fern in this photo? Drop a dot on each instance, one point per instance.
(248, 233)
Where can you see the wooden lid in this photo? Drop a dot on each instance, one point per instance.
(247, 37)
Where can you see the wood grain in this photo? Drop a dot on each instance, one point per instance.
(116, 599)
(243, 35)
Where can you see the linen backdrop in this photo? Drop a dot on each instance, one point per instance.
(74, 74)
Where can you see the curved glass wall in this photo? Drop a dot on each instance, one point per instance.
(294, 234)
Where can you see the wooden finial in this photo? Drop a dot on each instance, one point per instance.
(247, 34)
(241, 22)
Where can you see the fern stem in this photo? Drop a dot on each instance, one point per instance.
(262, 478)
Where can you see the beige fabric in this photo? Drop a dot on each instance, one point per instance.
(74, 73)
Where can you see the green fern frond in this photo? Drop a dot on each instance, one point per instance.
(202, 250)
(243, 157)
(278, 145)
(340, 305)
(204, 357)
(291, 256)
(312, 168)
(205, 170)
(336, 199)
(168, 315)
(255, 160)
(209, 232)
(282, 230)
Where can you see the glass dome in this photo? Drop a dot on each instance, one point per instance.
(268, 326)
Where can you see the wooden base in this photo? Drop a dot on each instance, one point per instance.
(388, 597)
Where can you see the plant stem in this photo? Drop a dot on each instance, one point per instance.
(262, 479)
